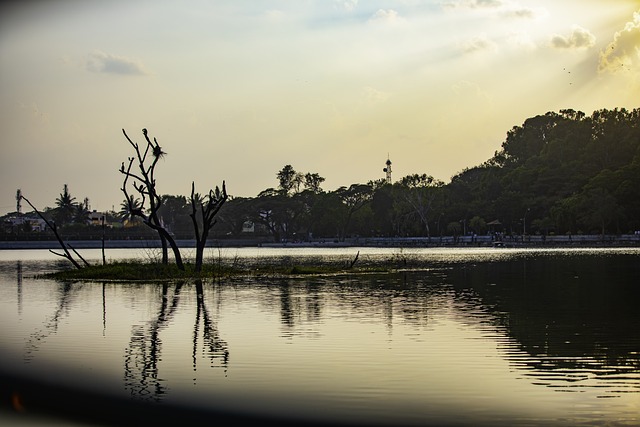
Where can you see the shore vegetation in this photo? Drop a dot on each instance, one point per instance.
(150, 271)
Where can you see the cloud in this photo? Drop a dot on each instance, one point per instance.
(472, 4)
(347, 5)
(579, 38)
(388, 16)
(524, 13)
(477, 44)
(624, 51)
(504, 8)
(100, 62)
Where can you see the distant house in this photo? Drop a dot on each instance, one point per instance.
(95, 218)
(35, 223)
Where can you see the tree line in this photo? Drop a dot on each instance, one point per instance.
(558, 173)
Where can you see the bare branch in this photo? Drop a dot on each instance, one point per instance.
(145, 184)
(54, 228)
(79, 256)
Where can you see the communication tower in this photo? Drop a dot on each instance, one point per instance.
(19, 201)
(387, 170)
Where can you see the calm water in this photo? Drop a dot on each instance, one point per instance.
(468, 337)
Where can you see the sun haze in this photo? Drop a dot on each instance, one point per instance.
(235, 90)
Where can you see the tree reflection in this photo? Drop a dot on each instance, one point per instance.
(141, 369)
(19, 279)
(66, 292)
(564, 322)
(212, 345)
(287, 309)
(142, 355)
(300, 303)
(572, 321)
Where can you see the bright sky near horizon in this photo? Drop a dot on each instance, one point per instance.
(236, 89)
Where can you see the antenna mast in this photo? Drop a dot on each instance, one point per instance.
(387, 170)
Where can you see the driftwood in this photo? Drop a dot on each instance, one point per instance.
(65, 247)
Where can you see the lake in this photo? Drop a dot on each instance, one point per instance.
(477, 336)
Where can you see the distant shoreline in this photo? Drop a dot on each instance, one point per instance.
(627, 240)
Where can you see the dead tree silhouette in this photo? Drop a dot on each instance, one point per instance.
(144, 183)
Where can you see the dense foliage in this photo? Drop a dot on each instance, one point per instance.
(562, 173)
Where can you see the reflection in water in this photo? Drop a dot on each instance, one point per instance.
(303, 302)
(287, 310)
(19, 287)
(141, 373)
(143, 354)
(66, 292)
(463, 337)
(104, 308)
(572, 323)
(298, 305)
(213, 347)
(568, 323)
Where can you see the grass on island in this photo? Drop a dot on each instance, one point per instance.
(150, 271)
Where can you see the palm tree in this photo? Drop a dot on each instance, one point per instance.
(81, 213)
(66, 206)
(126, 207)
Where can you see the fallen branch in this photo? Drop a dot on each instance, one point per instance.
(79, 256)
(54, 228)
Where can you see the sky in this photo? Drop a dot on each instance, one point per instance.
(234, 90)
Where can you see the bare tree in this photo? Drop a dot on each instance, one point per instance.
(144, 183)
(208, 207)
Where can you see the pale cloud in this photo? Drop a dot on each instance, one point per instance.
(347, 5)
(487, 3)
(521, 12)
(623, 53)
(478, 43)
(472, 4)
(578, 39)
(504, 8)
(101, 62)
(388, 16)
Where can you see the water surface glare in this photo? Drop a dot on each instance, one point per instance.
(452, 336)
